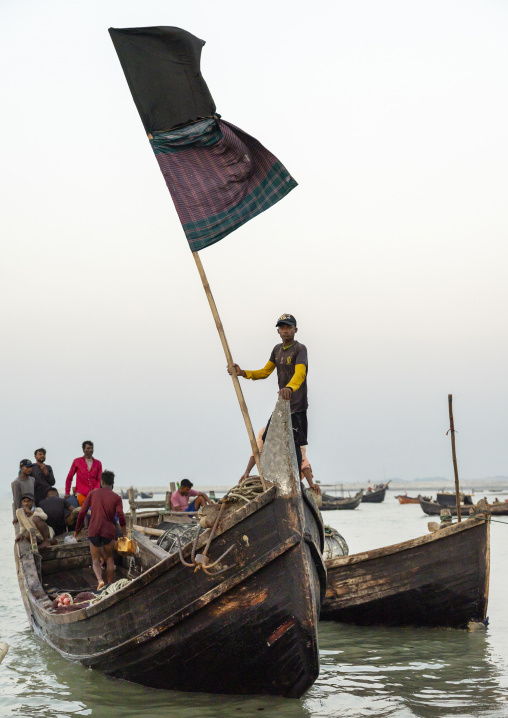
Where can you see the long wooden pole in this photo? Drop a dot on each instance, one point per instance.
(454, 456)
(227, 351)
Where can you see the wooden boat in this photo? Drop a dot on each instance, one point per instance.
(145, 495)
(376, 495)
(405, 499)
(432, 508)
(250, 629)
(448, 498)
(441, 579)
(334, 503)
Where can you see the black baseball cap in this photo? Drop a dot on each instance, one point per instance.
(25, 462)
(27, 496)
(286, 319)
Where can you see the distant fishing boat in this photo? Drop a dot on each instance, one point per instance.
(441, 579)
(375, 495)
(449, 498)
(432, 508)
(145, 495)
(405, 499)
(335, 503)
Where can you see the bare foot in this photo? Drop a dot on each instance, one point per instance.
(100, 585)
(44, 544)
(54, 542)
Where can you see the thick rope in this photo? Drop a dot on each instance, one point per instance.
(246, 490)
(110, 590)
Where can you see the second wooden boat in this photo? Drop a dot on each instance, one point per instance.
(441, 579)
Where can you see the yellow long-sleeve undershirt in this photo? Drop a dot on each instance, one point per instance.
(294, 384)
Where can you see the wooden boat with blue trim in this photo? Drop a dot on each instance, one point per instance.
(247, 625)
(441, 579)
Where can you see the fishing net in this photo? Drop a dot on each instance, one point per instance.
(169, 539)
(335, 544)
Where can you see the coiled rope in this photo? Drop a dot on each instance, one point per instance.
(110, 590)
(246, 490)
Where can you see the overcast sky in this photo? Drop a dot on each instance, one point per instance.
(391, 253)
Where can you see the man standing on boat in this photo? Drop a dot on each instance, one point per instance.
(102, 528)
(22, 485)
(88, 473)
(290, 359)
(43, 476)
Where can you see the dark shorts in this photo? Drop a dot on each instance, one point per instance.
(190, 507)
(99, 541)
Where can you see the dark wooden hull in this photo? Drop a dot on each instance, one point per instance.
(374, 497)
(342, 504)
(449, 499)
(499, 509)
(252, 629)
(440, 579)
(432, 508)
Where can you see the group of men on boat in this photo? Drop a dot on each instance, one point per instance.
(37, 504)
(38, 508)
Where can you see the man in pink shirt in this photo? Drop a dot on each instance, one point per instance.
(88, 473)
(180, 498)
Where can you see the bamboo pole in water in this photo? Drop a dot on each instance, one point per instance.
(454, 456)
(229, 358)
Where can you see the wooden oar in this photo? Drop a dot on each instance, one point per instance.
(454, 456)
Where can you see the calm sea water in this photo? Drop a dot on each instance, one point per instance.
(364, 671)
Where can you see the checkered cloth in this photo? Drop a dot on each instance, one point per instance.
(219, 178)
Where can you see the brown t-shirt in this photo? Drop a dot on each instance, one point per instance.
(285, 360)
(105, 504)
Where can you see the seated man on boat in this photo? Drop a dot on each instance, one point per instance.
(305, 469)
(180, 497)
(30, 517)
(102, 529)
(60, 513)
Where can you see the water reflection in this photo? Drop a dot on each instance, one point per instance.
(407, 672)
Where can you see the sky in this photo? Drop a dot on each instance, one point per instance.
(391, 252)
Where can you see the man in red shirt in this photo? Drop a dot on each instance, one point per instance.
(101, 529)
(88, 473)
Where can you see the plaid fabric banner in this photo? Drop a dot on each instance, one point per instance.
(219, 178)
